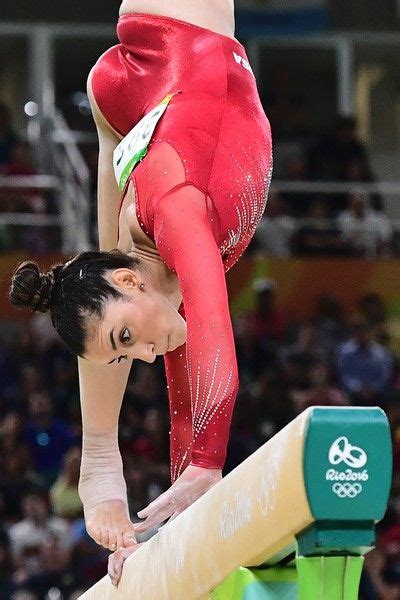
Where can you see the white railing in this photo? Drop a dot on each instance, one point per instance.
(39, 183)
(71, 192)
(70, 189)
(336, 187)
(389, 192)
(74, 178)
(75, 186)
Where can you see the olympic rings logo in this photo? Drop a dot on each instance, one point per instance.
(342, 451)
(347, 490)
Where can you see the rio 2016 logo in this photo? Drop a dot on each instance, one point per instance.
(342, 451)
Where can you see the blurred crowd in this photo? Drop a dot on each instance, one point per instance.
(301, 224)
(285, 366)
(327, 224)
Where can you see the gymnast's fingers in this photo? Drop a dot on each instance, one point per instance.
(125, 552)
(155, 518)
(114, 570)
(116, 562)
(172, 517)
(160, 502)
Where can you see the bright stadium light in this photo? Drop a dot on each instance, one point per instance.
(31, 108)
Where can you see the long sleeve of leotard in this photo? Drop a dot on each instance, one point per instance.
(185, 241)
(180, 442)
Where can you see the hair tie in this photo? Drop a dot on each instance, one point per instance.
(43, 296)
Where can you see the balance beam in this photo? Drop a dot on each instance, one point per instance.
(316, 488)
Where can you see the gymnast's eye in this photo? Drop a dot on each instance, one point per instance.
(125, 336)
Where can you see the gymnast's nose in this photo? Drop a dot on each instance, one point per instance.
(146, 352)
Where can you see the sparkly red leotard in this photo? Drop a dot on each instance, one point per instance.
(200, 192)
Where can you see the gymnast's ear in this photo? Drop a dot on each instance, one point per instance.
(124, 279)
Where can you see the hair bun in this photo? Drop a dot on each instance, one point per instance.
(31, 288)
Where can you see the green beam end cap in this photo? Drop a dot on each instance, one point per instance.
(347, 463)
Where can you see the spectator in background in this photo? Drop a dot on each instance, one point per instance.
(379, 581)
(367, 232)
(29, 376)
(23, 594)
(64, 495)
(144, 388)
(5, 566)
(137, 481)
(8, 375)
(317, 236)
(263, 408)
(55, 572)
(7, 137)
(151, 446)
(372, 308)
(364, 366)
(16, 473)
(329, 323)
(20, 161)
(321, 390)
(47, 438)
(253, 352)
(11, 434)
(306, 349)
(20, 164)
(25, 200)
(329, 159)
(29, 535)
(276, 228)
(298, 170)
(266, 323)
(357, 171)
(88, 560)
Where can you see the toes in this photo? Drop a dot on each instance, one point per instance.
(93, 532)
(118, 539)
(104, 538)
(113, 541)
(128, 538)
(97, 535)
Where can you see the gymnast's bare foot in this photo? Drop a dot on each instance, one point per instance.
(109, 525)
(116, 561)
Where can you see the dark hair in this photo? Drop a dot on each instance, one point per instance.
(72, 291)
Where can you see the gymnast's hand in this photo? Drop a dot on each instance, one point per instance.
(109, 525)
(116, 561)
(192, 484)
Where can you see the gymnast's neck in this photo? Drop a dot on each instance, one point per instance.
(157, 275)
(215, 15)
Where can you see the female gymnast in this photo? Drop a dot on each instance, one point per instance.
(184, 169)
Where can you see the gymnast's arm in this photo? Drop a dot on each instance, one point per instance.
(102, 486)
(187, 245)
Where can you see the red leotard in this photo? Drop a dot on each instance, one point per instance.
(200, 192)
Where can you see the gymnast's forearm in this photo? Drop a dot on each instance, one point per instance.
(101, 390)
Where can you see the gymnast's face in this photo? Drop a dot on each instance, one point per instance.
(141, 325)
